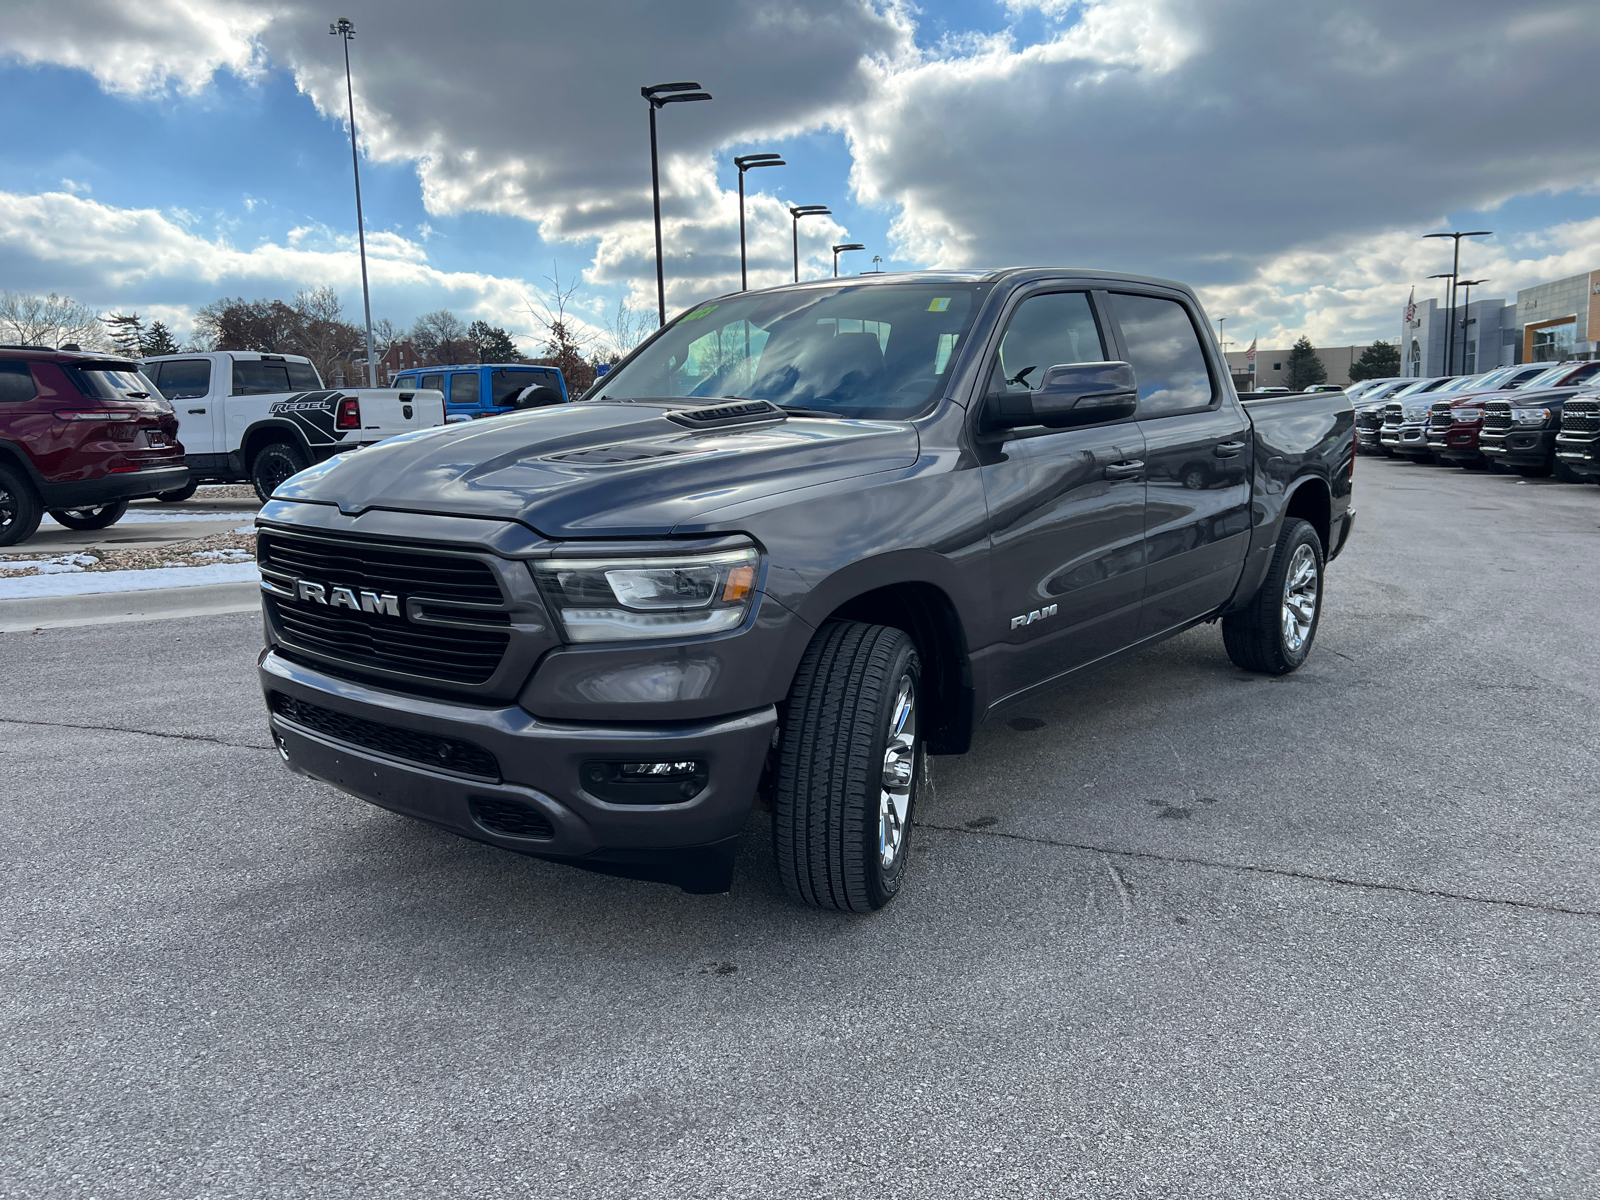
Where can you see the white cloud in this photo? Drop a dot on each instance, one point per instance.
(137, 47)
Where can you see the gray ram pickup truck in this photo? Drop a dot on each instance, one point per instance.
(795, 543)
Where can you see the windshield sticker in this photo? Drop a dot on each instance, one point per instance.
(701, 312)
(942, 304)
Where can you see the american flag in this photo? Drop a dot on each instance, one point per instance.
(1250, 354)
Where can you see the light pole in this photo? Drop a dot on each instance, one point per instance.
(660, 94)
(805, 210)
(1450, 301)
(749, 162)
(877, 264)
(345, 30)
(838, 250)
(1455, 270)
(1466, 319)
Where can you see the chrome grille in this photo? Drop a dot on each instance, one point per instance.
(1439, 418)
(1580, 416)
(1394, 416)
(1496, 415)
(1369, 419)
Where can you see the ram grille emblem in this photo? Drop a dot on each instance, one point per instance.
(1037, 614)
(383, 604)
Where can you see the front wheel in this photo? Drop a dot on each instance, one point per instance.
(273, 464)
(1272, 634)
(20, 510)
(849, 760)
(98, 517)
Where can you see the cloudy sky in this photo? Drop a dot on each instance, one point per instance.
(1282, 157)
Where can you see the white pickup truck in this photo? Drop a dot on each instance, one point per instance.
(247, 417)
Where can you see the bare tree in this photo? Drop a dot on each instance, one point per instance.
(325, 337)
(440, 338)
(625, 329)
(52, 321)
(565, 344)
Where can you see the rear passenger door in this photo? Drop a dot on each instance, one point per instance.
(1066, 509)
(1197, 451)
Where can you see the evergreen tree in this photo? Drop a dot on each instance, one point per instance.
(158, 340)
(1305, 368)
(494, 343)
(127, 333)
(1381, 360)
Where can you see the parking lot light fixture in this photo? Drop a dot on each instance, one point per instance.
(1455, 272)
(749, 162)
(805, 210)
(658, 95)
(838, 250)
(344, 30)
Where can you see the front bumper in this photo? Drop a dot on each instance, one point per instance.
(1579, 453)
(1457, 444)
(1519, 448)
(129, 485)
(538, 767)
(1411, 440)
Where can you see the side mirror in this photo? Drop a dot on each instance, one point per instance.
(1069, 394)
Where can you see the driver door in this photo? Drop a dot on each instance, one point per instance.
(1066, 509)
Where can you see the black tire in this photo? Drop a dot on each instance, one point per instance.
(20, 509)
(1565, 474)
(1532, 472)
(1257, 637)
(98, 516)
(833, 758)
(178, 495)
(273, 464)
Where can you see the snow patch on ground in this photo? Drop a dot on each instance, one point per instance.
(77, 582)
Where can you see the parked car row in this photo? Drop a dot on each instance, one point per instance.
(1514, 419)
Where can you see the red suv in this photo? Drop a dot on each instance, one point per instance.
(80, 436)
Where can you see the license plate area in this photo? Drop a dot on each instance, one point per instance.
(156, 438)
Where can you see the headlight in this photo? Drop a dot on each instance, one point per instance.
(1466, 416)
(631, 599)
(1414, 415)
(1530, 416)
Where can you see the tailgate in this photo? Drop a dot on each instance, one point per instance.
(386, 412)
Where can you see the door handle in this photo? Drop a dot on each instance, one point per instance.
(1125, 470)
(197, 410)
(1228, 449)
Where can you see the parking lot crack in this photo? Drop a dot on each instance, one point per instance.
(156, 733)
(1281, 872)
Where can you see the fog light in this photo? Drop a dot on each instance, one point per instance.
(645, 782)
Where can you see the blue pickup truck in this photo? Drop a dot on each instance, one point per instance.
(482, 389)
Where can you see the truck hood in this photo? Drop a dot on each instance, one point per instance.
(600, 468)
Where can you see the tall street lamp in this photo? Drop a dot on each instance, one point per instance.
(805, 210)
(1450, 301)
(1466, 318)
(345, 30)
(749, 162)
(660, 94)
(1455, 270)
(837, 250)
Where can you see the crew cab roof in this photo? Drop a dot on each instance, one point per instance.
(997, 275)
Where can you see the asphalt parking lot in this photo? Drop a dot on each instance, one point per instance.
(1174, 931)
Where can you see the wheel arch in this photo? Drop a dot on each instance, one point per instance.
(264, 433)
(13, 455)
(1312, 500)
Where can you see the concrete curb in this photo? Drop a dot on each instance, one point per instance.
(108, 608)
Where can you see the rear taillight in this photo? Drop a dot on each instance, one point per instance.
(349, 414)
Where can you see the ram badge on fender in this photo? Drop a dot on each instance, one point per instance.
(813, 534)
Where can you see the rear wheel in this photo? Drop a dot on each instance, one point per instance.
(20, 510)
(849, 760)
(1566, 474)
(178, 494)
(98, 516)
(1273, 633)
(273, 464)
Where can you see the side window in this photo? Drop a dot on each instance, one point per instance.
(186, 380)
(432, 383)
(303, 377)
(1164, 351)
(256, 377)
(1045, 331)
(16, 382)
(464, 388)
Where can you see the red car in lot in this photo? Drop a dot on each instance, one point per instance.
(80, 436)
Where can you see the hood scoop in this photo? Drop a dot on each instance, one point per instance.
(720, 416)
(600, 456)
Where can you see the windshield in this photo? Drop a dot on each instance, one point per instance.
(874, 350)
(1555, 375)
(110, 381)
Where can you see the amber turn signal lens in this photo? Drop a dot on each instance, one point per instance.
(740, 580)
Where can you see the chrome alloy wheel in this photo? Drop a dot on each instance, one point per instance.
(899, 772)
(1301, 590)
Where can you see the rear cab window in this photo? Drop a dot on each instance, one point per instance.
(1163, 347)
(16, 382)
(507, 382)
(263, 377)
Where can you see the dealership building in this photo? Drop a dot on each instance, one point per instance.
(1548, 323)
